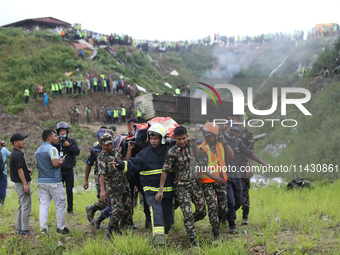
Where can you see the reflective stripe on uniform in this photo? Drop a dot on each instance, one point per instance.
(152, 172)
(165, 189)
(125, 167)
(157, 231)
(156, 171)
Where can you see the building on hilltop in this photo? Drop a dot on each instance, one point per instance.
(42, 23)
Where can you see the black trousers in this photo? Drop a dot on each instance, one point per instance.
(234, 197)
(162, 208)
(134, 180)
(68, 180)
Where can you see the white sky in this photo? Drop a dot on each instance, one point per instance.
(178, 19)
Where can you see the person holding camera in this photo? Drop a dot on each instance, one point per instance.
(67, 148)
(4, 153)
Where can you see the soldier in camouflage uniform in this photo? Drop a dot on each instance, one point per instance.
(76, 115)
(71, 116)
(97, 112)
(180, 158)
(211, 153)
(117, 187)
(92, 160)
(103, 116)
(248, 139)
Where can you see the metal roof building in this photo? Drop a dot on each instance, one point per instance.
(43, 23)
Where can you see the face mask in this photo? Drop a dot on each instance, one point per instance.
(63, 136)
(227, 134)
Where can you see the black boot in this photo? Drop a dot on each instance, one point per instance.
(245, 216)
(108, 233)
(216, 234)
(148, 222)
(96, 222)
(232, 227)
(194, 242)
(90, 211)
(132, 225)
(172, 221)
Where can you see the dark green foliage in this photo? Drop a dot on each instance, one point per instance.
(28, 59)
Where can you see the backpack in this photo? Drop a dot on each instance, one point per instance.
(2, 165)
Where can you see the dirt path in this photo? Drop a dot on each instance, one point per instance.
(96, 125)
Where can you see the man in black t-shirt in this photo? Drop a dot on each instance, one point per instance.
(21, 176)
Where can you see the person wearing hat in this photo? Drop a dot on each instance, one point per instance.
(114, 131)
(212, 154)
(21, 176)
(67, 147)
(149, 162)
(92, 160)
(113, 184)
(234, 183)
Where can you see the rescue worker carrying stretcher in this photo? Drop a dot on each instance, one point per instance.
(214, 180)
(149, 163)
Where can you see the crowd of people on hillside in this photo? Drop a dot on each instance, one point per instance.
(107, 114)
(76, 33)
(85, 84)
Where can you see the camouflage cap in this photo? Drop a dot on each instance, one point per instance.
(110, 131)
(106, 138)
(99, 133)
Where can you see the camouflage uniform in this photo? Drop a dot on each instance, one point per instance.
(215, 196)
(102, 116)
(187, 188)
(97, 111)
(248, 139)
(117, 186)
(71, 116)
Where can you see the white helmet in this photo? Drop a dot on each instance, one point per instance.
(159, 129)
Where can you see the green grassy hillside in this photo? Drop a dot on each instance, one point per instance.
(39, 57)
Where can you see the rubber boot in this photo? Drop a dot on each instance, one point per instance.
(96, 222)
(148, 222)
(108, 233)
(90, 211)
(245, 216)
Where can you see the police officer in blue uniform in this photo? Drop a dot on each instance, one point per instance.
(234, 183)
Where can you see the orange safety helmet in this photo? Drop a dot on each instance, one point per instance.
(209, 127)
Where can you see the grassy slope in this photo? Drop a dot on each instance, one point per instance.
(302, 222)
(35, 58)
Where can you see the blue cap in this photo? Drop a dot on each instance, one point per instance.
(99, 133)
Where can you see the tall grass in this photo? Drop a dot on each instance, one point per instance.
(299, 221)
